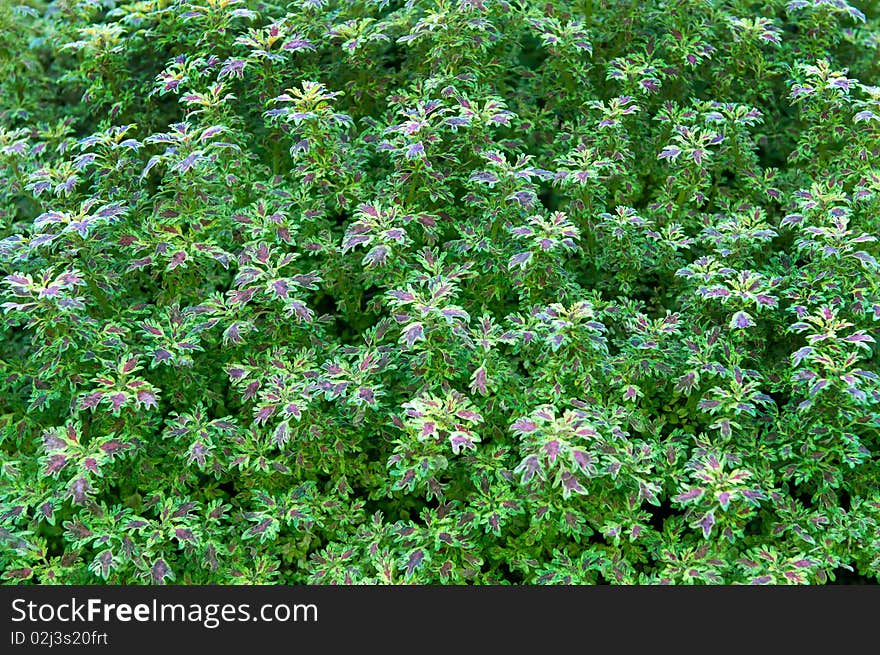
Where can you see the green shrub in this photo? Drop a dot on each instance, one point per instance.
(439, 292)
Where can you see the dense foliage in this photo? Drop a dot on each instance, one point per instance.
(441, 291)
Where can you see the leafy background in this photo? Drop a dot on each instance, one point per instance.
(439, 292)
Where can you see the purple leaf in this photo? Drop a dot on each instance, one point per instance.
(461, 440)
(79, 490)
(520, 259)
(415, 150)
(801, 354)
(412, 333)
(524, 426)
(55, 464)
(706, 523)
(741, 320)
(484, 177)
(147, 398)
(415, 561)
(160, 571)
(297, 44)
(689, 495)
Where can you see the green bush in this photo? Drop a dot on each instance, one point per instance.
(439, 292)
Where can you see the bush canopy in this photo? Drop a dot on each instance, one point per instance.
(439, 292)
